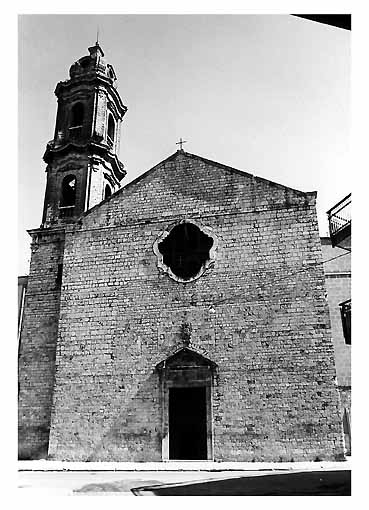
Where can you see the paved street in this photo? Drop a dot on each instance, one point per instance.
(187, 483)
(329, 483)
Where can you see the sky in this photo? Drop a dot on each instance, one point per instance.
(267, 94)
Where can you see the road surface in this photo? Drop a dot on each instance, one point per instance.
(190, 483)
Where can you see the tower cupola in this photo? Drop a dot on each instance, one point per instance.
(94, 63)
(82, 159)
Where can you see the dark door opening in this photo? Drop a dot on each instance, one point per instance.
(187, 423)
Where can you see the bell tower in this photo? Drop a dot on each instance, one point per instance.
(82, 169)
(82, 163)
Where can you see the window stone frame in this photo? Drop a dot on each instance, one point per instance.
(208, 263)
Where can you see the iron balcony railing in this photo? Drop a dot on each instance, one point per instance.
(339, 218)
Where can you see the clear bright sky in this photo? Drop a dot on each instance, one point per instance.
(267, 94)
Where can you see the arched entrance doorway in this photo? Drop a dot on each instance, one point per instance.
(186, 381)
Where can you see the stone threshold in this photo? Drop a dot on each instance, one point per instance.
(50, 465)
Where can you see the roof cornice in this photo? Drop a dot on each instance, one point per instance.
(92, 79)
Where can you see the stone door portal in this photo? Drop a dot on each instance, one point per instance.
(186, 382)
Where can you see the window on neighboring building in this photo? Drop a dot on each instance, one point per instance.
(107, 191)
(346, 320)
(77, 115)
(347, 430)
(111, 127)
(68, 192)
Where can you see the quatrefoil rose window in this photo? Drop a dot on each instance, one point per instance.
(185, 251)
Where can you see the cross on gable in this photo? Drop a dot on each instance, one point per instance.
(180, 143)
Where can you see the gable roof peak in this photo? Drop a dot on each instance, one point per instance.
(181, 154)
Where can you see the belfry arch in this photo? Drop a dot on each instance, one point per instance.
(186, 387)
(68, 191)
(77, 115)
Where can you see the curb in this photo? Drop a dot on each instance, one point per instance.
(48, 465)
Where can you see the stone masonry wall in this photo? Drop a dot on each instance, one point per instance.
(37, 345)
(259, 313)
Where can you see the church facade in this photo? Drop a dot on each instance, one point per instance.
(182, 316)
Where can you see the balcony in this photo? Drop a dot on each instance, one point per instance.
(339, 218)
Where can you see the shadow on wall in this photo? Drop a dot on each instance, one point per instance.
(138, 426)
(28, 437)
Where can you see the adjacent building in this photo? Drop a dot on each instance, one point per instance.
(337, 249)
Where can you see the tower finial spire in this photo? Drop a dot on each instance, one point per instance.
(97, 35)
